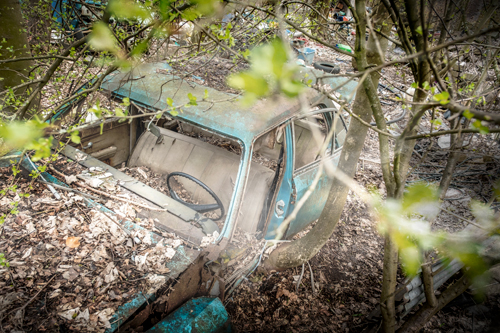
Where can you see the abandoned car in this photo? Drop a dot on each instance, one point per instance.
(230, 182)
(226, 166)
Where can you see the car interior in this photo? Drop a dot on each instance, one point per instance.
(212, 159)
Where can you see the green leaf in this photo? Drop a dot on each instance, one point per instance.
(18, 135)
(269, 73)
(254, 85)
(410, 257)
(41, 147)
(467, 114)
(291, 88)
(206, 7)
(192, 99)
(418, 30)
(206, 95)
(174, 113)
(139, 49)
(101, 38)
(15, 170)
(190, 14)
(437, 122)
(119, 112)
(442, 98)
(279, 57)
(170, 102)
(482, 129)
(75, 138)
(246, 53)
(420, 198)
(128, 9)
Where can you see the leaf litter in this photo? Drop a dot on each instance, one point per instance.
(72, 265)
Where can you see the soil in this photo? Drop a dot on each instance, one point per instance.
(347, 275)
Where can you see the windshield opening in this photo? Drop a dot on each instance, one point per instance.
(193, 166)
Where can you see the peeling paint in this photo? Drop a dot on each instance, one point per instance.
(200, 315)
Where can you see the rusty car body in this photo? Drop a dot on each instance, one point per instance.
(254, 197)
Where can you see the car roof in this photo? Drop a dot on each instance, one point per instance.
(149, 85)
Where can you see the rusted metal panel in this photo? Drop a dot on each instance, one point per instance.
(201, 315)
(282, 204)
(149, 86)
(179, 263)
(312, 208)
(95, 143)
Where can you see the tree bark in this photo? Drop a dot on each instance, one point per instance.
(455, 147)
(429, 285)
(389, 281)
(15, 46)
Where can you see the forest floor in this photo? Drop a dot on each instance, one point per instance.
(71, 266)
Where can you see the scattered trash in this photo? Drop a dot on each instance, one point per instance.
(327, 67)
(399, 51)
(307, 54)
(444, 141)
(344, 47)
(209, 239)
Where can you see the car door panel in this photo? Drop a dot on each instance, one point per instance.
(314, 205)
(112, 146)
(304, 175)
(285, 189)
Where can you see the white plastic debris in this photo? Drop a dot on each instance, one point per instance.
(209, 239)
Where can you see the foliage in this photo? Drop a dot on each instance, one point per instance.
(26, 136)
(409, 223)
(3, 261)
(270, 72)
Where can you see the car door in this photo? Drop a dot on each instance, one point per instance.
(306, 146)
(279, 207)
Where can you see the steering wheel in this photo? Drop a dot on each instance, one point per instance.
(198, 208)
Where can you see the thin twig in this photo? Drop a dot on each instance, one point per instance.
(467, 130)
(118, 224)
(38, 293)
(312, 278)
(70, 189)
(463, 219)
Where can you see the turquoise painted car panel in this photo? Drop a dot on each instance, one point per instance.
(200, 315)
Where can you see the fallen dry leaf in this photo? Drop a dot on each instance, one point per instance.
(73, 242)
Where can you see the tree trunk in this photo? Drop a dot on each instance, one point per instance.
(300, 251)
(16, 45)
(403, 152)
(455, 147)
(12, 29)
